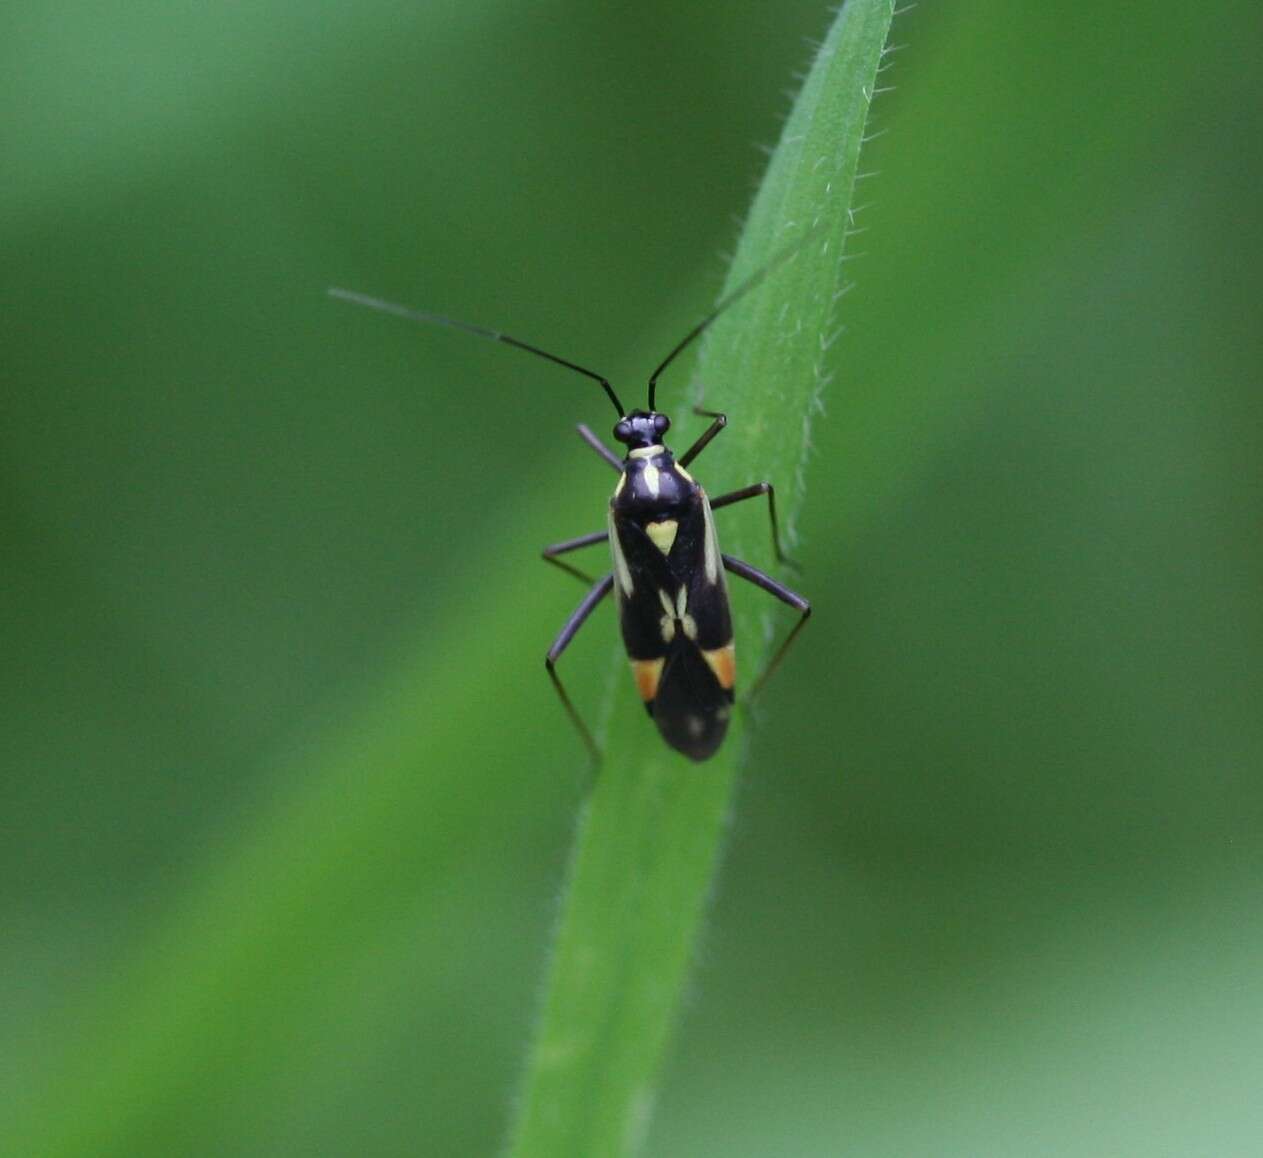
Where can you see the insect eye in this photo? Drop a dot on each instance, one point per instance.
(661, 423)
(622, 432)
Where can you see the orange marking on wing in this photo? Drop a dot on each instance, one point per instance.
(647, 672)
(723, 662)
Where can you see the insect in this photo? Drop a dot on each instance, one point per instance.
(667, 571)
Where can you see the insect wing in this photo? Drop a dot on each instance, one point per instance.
(676, 624)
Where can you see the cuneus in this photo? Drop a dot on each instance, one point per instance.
(668, 571)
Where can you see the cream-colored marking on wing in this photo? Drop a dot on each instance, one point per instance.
(687, 623)
(711, 545)
(622, 482)
(685, 474)
(663, 534)
(667, 623)
(621, 571)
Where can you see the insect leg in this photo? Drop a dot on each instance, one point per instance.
(599, 591)
(785, 595)
(721, 420)
(750, 492)
(596, 444)
(549, 554)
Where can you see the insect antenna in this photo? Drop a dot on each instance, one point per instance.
(386, 307)
(752, 282)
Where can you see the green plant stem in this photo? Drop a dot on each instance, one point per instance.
(650, 836)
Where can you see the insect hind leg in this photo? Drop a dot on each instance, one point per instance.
(785, 595)
(600, 589)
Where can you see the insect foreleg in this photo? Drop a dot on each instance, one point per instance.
(585, 432)
(720, 421)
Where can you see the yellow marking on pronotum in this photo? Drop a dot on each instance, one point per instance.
(622, 482)
(653, 479)
(647, 672)
(723, 662)
(663, 534)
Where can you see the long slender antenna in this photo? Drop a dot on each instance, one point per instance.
(495, 335)
(744, 288)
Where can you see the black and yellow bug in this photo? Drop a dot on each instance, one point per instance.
(668, 570)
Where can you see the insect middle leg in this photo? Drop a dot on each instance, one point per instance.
(599, 591)
(752, 492)
(785, 595)
(549, 554)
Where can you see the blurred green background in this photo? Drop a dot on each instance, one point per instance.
(286, 797)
